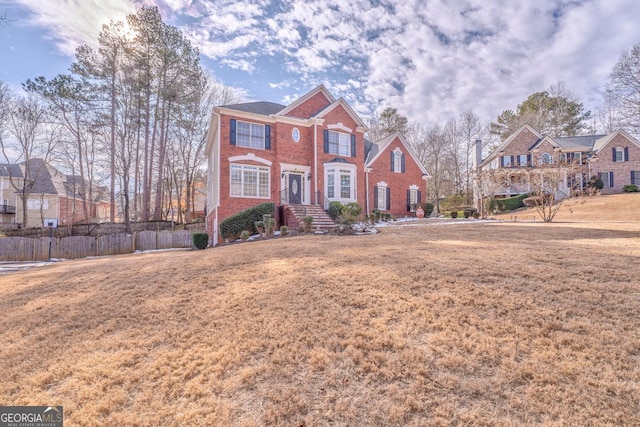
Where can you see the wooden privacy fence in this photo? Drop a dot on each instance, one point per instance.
(37, 249)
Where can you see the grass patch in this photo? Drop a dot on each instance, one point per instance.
(467, 324)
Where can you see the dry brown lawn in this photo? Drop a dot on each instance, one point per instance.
(614, 207)
(494, 324)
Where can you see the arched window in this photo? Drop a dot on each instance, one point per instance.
(619, 154)
(546, 159)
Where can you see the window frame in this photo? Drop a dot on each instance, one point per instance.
(339, 143)
(542, 157)
(620, 157)
(262, 189)
(251, 135)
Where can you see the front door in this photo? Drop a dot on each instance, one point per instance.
(295, 189)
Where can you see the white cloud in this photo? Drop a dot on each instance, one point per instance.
(431, 60)
(72, 23)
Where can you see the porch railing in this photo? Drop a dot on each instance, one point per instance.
(6, 209)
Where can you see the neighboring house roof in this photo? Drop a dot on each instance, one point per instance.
(580, 143)
(261, 107)
(39, 173)
(508, 141)
(10, 170)
(385, 142)
(606, 139)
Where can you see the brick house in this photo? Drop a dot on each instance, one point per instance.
(52, 195)
(306, 154)
(615, 158)
(395, 176)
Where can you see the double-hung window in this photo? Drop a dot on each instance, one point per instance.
(382, 197)
(249, 181)
(250, 135)
(345, 184)
(635, 177)
(339, 143)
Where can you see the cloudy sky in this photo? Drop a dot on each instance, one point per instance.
(430, 59)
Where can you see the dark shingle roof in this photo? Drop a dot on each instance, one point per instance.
(370, 150)
(585, 141)
(261, 107)
(42, 178)
(14, 169)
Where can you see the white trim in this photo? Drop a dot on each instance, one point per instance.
(385, 142)
(353, 171)
(382, 184)
(259, 169)
(605, 140)
(250, 157)
(501, 147)
(341, 102)
(304, 171)
(414, 187)
(304, 98)
(340, 126)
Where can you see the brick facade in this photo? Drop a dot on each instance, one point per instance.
(621, 170)
(304, 162)
(596, 156)
(398, 182)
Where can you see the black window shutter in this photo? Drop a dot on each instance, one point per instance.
(528, 159)
(610, 179)
(501, 161)
(633, 177)
(419, 196)
(233, 132)
(614, 153)
(375, 198)
(402, 162)
(393, 157)
(353, 145)
(267, 137)
(388, 198)
(408, 200)
(325, 134)
(513, 160)
(626, 154)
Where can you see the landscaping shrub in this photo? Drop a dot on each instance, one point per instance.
(245, 235)
(231, 227)
(200, 240)
(595, 183)
(427, 208)
(352, 209)
(468, 211)
(284, 230)
(376, 215)
(630, 188)
(335, 209)
(476, 215)
(454, 214)
(308, 220)
(509, 203)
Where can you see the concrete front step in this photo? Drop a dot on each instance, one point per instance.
(321, 221)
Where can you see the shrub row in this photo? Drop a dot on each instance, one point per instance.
(233, 226)
(508, 204)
